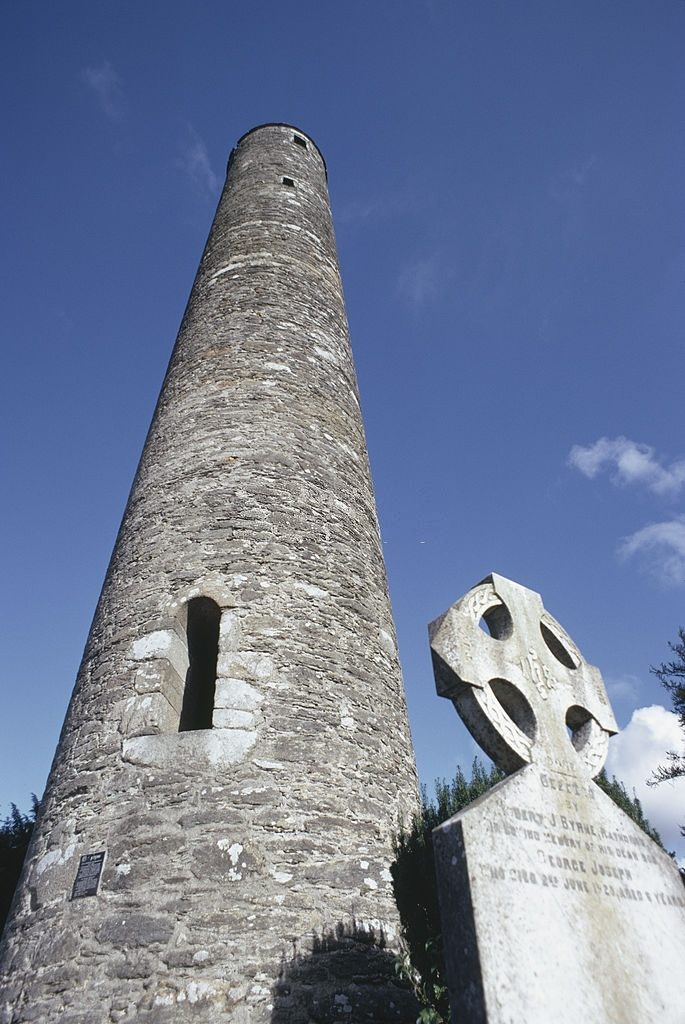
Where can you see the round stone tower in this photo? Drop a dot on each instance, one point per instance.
(216, 834)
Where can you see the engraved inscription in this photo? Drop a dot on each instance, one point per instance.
(479, 600)
(538, 672)
(576, 856)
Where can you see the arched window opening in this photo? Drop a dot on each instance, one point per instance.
(203, 650)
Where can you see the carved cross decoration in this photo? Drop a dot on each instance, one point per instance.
(524, 691)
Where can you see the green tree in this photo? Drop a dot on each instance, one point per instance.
(630, 804)
(15, 833)
(671, 675)
(413, 874)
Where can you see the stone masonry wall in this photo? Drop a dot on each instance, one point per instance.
(246, 874)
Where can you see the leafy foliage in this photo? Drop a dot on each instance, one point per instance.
(629, 804)
(15, 833)
(413, 873)
(671, 675)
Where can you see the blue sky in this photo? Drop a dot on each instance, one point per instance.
(505, 182)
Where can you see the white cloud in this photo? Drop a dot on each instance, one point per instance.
(571, 180)
(368, 209)
(421, 280)
(661, 548)
(634, 754)
(626, 687)
(634, 464)
(194, 161)
(106, 84)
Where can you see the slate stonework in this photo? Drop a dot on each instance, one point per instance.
(234, 854)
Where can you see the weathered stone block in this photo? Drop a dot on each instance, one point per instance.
(149, 714)
(228, 718)
(237, 694)
(132, 929)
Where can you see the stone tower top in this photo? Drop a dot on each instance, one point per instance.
(288, 128)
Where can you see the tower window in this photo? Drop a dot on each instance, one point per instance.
(203, 650)
(298, 140)
(289, 182)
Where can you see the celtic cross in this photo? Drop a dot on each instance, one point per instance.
(522, 688)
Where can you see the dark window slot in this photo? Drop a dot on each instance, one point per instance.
(299, 141)
(289, 182)
(204, 616)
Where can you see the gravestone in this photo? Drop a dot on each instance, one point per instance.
(556, 907)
